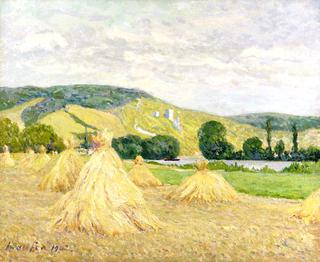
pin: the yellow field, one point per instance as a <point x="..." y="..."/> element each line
<point x="14" y="114"/>
<point x="254" y="229"/>
<point x="98" y="119"/>
<point x="63" y="124"/>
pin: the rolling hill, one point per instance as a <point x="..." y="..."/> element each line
<point x="58" y="97"/>
<point x="135" y="112"/>
<point x="279" y="121"/>
<point x="15" y="113"/>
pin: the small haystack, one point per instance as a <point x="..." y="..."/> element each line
<point x="309" y="210"/>
<point x="141" y="175"/>
<point x="40" y="160"/>
<point x="5" y="158"/>
<point x="204" y="187"/>
<point x="28" y="158"/>
<point x="104" y="200"/>
<point x="61" y="173"/>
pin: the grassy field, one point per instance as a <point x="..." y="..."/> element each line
<point x="280" y="185"/>
<point x="253" y="229"/>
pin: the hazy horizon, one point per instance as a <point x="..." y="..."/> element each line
<point x="221" y="57"/>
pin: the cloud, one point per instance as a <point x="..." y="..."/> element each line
<point x="223" y="57"/>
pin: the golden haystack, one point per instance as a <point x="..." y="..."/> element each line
<point x="61" y="173"/>
<point x="5" y="158"/>
<point x="28" y="158"/>
<point x="104" y="200"/>
<point x="204" y="187"/>
<point x="141" y="175"/>
<point x="39" y="160"/>
<point x="309" y="210"/>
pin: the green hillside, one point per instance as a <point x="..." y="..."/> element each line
<point x="137" y="117"/>
<point x="279" y="121"/>
<point x="139" y="114"/>
<point x="58" y="97"/>
<point x="15" y="113"/>
<point x="134" y="112"/>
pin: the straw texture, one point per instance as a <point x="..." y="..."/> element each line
<point x="309" y="210"/>
<point x="141" y="175"/>
<point x="204" y="187"/>
<point x="104" y="200"/>
<point x="5" y="158"/>
<point x="61" y="172"/>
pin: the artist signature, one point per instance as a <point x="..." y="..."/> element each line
<point x="36" y="246"/>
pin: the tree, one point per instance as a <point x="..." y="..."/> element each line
<point x="252" y="148"/>
<point x="238" y="155"/>
<point x="36" y="135"/>
<point x="269" y="138"/>
<point x="279" y="148"/>
<point x="128" y="147"/>
<point x="313" y="153"/>
<point x="212" y="141"/>
<point x="9" y="135"/>
<point x="160" y="147"/>
<point x="295" y="147"/>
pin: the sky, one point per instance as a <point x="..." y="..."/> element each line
<point x="220" y="56"/>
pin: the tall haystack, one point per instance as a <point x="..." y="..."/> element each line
<point x="104" y="200"/>
<point x="28" y="158"/>
<point x="309" y="210"/>
<point x="141" y="175"/>
<point x="61" y="173"/>
<point x="204" y="187"/>
<point x="5" y="158"/>
<point x="39" y="161"/>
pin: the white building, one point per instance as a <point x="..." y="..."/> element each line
<point x="156" y="114"/>
<point x="169" y="114"/>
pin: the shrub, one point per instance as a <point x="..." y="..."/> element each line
<point x="252" y="149"/>
<point x="267" y="170"/>
<point x="39" y="134"/>
<point x="220" y="165"/>
<point x="235" y="167"/>
<point x="10" y="135"/>
<point x="160" y="147"/>
<point x="217" y="165"/>
<point x="313" y="153"/>
<point x="128" y="147"/>
<point x="298" y="168"/>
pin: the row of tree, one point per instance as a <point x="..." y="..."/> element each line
<point x="212" y="142"/>
<point x="32" y="136"/>
<point x="157" y="147"/>
<point x="128" y="147"/>
<point x="214" y="145"/>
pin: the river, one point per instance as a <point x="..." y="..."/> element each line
<point x="256" y="164"/>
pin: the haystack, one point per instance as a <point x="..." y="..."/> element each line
<point x="61" y="173"/>
<point x="204" y="187"/>
<point x="141" y="175"/>
<point x="309" y="210"/>
<point x="28" y="158"/>
<point x="104" y="200"/>
<point x="5" y="158"/>
<point x="39" y="161"/>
